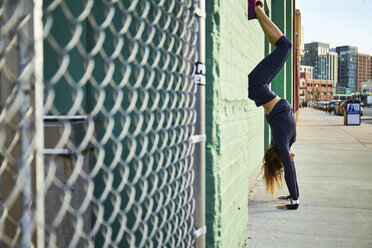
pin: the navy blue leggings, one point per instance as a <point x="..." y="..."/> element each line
<point x="261" y="76"/>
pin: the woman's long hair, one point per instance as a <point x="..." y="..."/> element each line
<point x="272" y="168"/>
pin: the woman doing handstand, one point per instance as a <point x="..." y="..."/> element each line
<point x="279" y="113"/>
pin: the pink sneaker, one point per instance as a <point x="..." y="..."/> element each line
<point x="251" y="5"/>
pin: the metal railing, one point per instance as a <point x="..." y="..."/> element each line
<point x="97" y="123"/>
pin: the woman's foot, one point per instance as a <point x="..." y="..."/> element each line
<point x="251" y="6"/>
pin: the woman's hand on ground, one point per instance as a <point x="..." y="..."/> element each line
<point x="288" y="207"/>
<point x="281" y="207"/>
<point x="284" y="197"/>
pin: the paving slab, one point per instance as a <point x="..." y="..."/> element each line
<point x="334" y="170"/>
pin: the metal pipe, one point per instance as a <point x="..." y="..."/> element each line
<point x="39" y="123"/>
<point x="199" y="165"/>
<point x="24" y="167"/>
<point x="296" y="101"/>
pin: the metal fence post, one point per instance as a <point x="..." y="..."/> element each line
<point x="199" y="165"/>
<point x="26" y="147"/>
<point x="39" y="124"/>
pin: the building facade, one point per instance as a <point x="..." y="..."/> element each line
<point x="347" y="67"/>
<point x="364" y="69"/>
<point x="299" y="48"/>
<point x="302" y="82"/>
<point x="315" y="89"/>
<point x="333" y="67"/>
<point x="366" y="87"/>
<point x="302" y="89"/>
<point x="307" y="68"/>
<point x="316" y="54"/>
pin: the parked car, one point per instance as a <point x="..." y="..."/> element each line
<point x="325" y="106"/>
<point x="319" y="105"/>
<point x="337" y="108"/>
<point x="336" y="105"/>
<point x="315" y="104"/>
<point x="331" y="106"/>
<point x="342" y="108"/>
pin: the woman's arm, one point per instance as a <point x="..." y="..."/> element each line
<point x="289" y="171"/>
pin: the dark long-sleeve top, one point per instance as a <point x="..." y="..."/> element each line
<point x="283" y="129"/>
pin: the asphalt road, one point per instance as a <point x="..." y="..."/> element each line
<point x="367" y="111"/>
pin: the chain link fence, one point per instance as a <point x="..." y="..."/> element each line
<point x="97" y="120"/>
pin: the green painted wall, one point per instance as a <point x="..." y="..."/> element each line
<point x="278" y="16"/>
<point x="236" y="129"/>
<point x="267" y="52"/>
<point x="289" y="34"/>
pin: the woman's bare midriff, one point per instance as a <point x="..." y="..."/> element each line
<point x="270" y="105"/>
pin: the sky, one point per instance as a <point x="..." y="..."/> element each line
<point x="338" y="22"/>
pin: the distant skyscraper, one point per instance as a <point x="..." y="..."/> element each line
<point x="347" y="67"/>
<point x="317" y="55"/>
<point x="333" y="67"/>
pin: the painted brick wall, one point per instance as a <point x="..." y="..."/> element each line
<point x="279" y="83"/>
<point x="235" y="126"/>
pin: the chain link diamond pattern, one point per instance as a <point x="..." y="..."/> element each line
<point x="119" y="115"/>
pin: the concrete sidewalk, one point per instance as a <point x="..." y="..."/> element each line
<point x="334" y="171"/>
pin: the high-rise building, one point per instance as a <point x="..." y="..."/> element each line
<point x="333" y="67"/>
<point x="317" y="54"/>
<point x="364" y="69"/>
<point x="347" y="66"/>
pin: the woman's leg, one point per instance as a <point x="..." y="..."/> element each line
<point x="266" y="70"/>
<point x="272" y="32"/>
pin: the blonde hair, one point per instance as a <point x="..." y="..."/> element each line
<point x="273" y="169"/>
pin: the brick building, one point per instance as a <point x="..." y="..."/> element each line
<point x="315" y="89"/>
<point x="364" y="69"/>
<point x="299" y="45"/>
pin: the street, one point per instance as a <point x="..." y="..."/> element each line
<point x="334" y="171"/>
<point x="367" y="115"/>
<point x="368" y="111"/>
